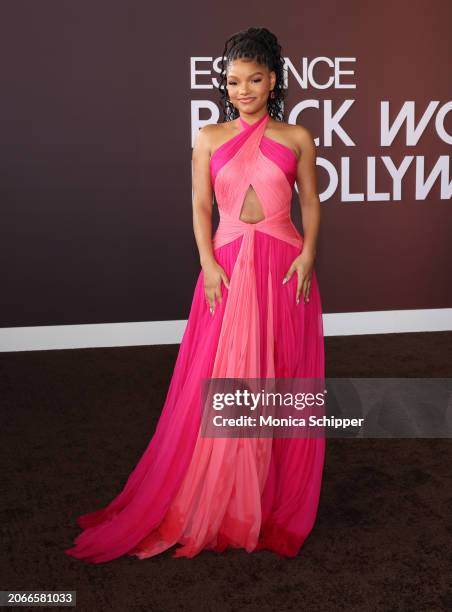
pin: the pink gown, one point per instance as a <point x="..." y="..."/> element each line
<point x="214" y="493"/>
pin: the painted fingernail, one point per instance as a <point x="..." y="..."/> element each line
<point x="284" y="281"/>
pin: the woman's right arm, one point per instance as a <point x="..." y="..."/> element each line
<point x="202" y="217"/>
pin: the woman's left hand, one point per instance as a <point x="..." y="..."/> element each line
<point x="303" y="265"/>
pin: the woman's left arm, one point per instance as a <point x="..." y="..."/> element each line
<point x="310" y="212"/>
<point x="307" y="190"/>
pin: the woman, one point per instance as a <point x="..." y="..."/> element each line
<point x="246" y="320"/>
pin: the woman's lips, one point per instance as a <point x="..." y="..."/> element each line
<point x="246" y="100"/>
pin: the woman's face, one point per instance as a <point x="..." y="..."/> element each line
<point x="249" y="84"/>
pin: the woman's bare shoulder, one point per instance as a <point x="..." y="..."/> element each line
<point x="204" y="139"/>
<point x="214" y="135"/>
<point x="302" y="135"/>
<point x="299" y="136"/>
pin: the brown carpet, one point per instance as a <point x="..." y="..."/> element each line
<point x="75" y="422"/>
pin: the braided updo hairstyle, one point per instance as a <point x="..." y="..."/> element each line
<point x="261" y="45"/>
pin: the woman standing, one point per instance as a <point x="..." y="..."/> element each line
<point x="256" y="312"/>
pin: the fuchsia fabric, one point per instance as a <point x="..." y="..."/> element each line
<point x="212" y="493"/>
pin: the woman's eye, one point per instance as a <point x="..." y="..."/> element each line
<point x="253" y="80"/>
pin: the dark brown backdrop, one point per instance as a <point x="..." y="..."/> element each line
<point x="95" y="153"/>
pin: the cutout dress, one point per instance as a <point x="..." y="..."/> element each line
<point x="214" y="493"/>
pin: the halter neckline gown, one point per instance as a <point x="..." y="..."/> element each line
<point x="214" y="493"/>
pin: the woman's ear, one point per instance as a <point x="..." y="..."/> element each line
<point x="273" y="79"/>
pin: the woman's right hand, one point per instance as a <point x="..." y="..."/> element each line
<point x="213" y="275"/>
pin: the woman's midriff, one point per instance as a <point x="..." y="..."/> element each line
<point x="251" y="211"/>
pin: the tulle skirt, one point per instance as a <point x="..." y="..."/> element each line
<point x="214" y="493"/>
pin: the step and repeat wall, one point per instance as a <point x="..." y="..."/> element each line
<point x="99" y="108"/>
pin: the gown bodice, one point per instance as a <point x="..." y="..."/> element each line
<point x="251" y="158"/>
